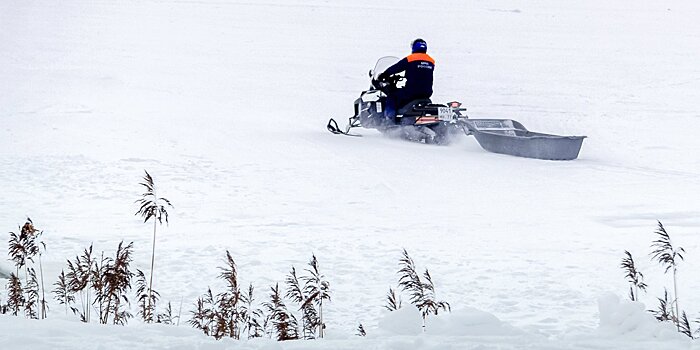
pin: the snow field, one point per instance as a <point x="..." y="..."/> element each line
<point x="224" y="104"/>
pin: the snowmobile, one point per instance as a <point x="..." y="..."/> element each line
<point x="426" y="122"/>
<point x="419" y="120"/>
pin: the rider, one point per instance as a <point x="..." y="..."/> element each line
<point x="419" y="69"/>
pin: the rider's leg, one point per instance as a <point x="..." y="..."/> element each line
<point x="390" y="107"/>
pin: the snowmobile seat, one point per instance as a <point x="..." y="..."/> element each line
<point x="408" y="108"/>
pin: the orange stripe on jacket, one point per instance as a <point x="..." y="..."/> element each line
<point x="420" y="57"/>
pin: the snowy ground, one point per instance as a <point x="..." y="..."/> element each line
<point x="224" y="103"/>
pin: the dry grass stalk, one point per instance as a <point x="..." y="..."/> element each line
<point x="80" y="281"/>
<point x="62" y="292"/>
<point x="23" y="247"/>
<point x="152" y="206"/>
<point x="15" y="297"/>
<point x="309" y="320"/>
<point x="316" y="289"/>
<point x="361" y="331"/>
<point x="635" y="278"/>
<point x="284" y="323"/>
<point x="668" y="256"/>
<point x="393" y="300"/>
<point x="422" y="294"/>
<point x="146" y="302"/>
<point x="251" y="315"/>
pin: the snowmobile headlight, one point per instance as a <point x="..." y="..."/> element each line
<point x="454" y="104"/>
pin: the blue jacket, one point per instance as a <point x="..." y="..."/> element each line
<point x="419" y="69"/>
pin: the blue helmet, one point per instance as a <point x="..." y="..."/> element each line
<point x="419" y="45"/>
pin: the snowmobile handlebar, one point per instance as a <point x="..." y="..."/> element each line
<point x="389" y="82"/>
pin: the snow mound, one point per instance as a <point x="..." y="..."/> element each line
<point x="462" y="322"/>
<point x="469" y="322"/>
<point x="404" y="321"/>
<point x="629" y="318"/>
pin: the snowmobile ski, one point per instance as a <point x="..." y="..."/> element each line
<point x="335" y="129"/>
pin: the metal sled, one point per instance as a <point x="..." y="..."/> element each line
<point x="507" y="136"/>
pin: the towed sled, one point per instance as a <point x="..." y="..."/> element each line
<point x="507" y="136"/>
<point x="427" y="122"/>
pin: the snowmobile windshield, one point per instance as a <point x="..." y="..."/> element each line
<point x="382" y="64"/>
